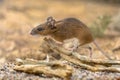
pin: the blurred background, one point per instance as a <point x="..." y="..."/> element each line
<point x="18" y="17"/>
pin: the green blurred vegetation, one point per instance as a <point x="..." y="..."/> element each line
<point x="100" y="25"/>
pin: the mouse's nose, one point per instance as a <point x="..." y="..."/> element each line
<point x="32" y="32"/>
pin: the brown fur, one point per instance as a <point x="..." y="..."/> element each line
<point x="66" y="29"/>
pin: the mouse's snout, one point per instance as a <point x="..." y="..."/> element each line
<point x="33" y="31"/>
<point x="37" y="30"/>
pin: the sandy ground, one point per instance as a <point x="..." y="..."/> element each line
<point x="18" y="17"/>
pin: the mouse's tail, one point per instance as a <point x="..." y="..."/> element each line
<point x="101" y="50"/>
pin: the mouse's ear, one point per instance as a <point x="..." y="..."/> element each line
<point x="51" y="22"/>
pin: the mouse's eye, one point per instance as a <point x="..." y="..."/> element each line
<point x="40" y="29"/>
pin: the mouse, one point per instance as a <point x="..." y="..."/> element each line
<point x="67" y="29"/>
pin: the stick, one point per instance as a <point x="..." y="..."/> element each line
<point x="54" y="68"/>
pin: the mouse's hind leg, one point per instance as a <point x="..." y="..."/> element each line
<point x="90" y="51"/>
<point x="89" y="48"/>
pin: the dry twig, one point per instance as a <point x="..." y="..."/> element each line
<point x="58" y="68"/>
<point x="83" y="61"/>
<point x="54" y="68"/>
